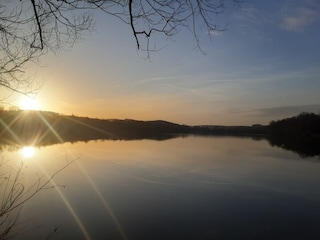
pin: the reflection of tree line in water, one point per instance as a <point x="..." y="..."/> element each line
<point x="300" y="134"/>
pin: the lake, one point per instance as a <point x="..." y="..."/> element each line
<point x="182" y="188"/>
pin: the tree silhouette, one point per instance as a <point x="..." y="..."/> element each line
<point x="31" y="28"/>
<point x="300" y="134"/>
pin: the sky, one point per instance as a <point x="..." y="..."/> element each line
<point x="265" y="66"/>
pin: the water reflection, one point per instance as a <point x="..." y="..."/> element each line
<point x="183" y="188"/>
<point x="299" y="134"/>
<point x="304" y="147"/>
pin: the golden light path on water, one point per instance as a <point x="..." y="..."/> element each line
<point x="71" y="209"/>
<point x="30" y="152"/>
<point x="65" y="200"/>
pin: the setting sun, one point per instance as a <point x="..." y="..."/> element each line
<point x="29" y="104"/>
<point x="28" y="152"/>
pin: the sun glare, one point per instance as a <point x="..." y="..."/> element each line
<point x="28" y="152"/>
<point x="29" y="104"/>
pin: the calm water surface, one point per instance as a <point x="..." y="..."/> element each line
<point x="183" y="188"/>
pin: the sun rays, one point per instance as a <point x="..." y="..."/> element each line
<point x="27" y="130"/>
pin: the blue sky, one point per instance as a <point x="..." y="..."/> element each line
<point x="265" y="66"/>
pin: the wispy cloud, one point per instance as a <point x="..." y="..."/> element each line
<point x="250" y="14"/>
<point x="288" y="111"/>
<point x="299" y="14"/>
<point x="215" y="32"/>
<point x="252" y="20"/>
<point x="302" y="18"/>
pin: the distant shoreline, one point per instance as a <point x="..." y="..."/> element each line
<point x="300" y="134"/>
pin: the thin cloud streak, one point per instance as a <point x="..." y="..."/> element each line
<point x="298" y="15"/>
<point x="288" y="110"/>
<point x="298" y="21"/>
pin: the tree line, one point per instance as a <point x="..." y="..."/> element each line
<point x="45" y="128"/>
<point x="300" y="134"/>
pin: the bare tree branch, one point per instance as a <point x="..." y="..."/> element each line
<point x="30" y="29"/>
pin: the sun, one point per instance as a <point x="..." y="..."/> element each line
<point x="29" y="104"/>
<point x="28" y="151"/>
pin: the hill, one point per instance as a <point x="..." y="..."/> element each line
<point x="300" y="134"/>
<point x="42" y="128"/>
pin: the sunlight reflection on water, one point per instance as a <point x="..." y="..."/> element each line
<point x="184" y="188"/>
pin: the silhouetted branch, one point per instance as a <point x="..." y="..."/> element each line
<point x="29" y="29"/>
<point x="14" y="195"/>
